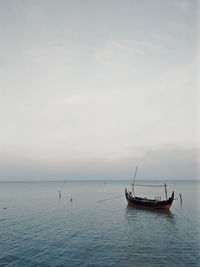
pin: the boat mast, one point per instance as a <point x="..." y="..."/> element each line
<point x="134" y="181"/>
<point x="165" y="190"/>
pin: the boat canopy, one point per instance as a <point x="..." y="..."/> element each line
<point x="149" y="185"/>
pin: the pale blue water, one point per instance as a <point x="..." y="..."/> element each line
<point x="38" y="229"/>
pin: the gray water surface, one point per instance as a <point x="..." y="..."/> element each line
<point x="39" y="229"/>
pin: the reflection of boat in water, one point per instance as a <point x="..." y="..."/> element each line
<point x="146" y="203"/>
<point x="131" y="212"/>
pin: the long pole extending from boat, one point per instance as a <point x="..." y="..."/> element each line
<point x="134" y="180"/>
<point x="165" y="190"/>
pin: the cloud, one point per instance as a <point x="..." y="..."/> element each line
<point x="84" y="85"/>
<point x="171" y="162"/>
<point x="76" y="99"/>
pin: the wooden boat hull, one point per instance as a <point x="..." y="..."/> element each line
<point x="143" y="203"/>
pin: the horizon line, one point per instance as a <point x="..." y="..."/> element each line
<point x="94" y="180"/>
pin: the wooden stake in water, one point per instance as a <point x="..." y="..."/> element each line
<point x="59" y="194"/>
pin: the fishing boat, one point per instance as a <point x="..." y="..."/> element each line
<point x="139" y="202"/>
<point x="145" y="203"/>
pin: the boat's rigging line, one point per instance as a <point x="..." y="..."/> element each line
<point x="182" y="214"/>
<point x="185" y="216"/>
<point x="106" y="199"/>
<point x="188" y="220"/>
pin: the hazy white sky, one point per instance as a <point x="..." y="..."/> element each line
<point x="90" y="89"/>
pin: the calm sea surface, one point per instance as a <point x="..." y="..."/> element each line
<point x="39" y="229"/>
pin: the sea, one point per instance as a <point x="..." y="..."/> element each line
<point x="88" y="223"/>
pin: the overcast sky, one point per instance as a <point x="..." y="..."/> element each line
<point x="91" y="88"/>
